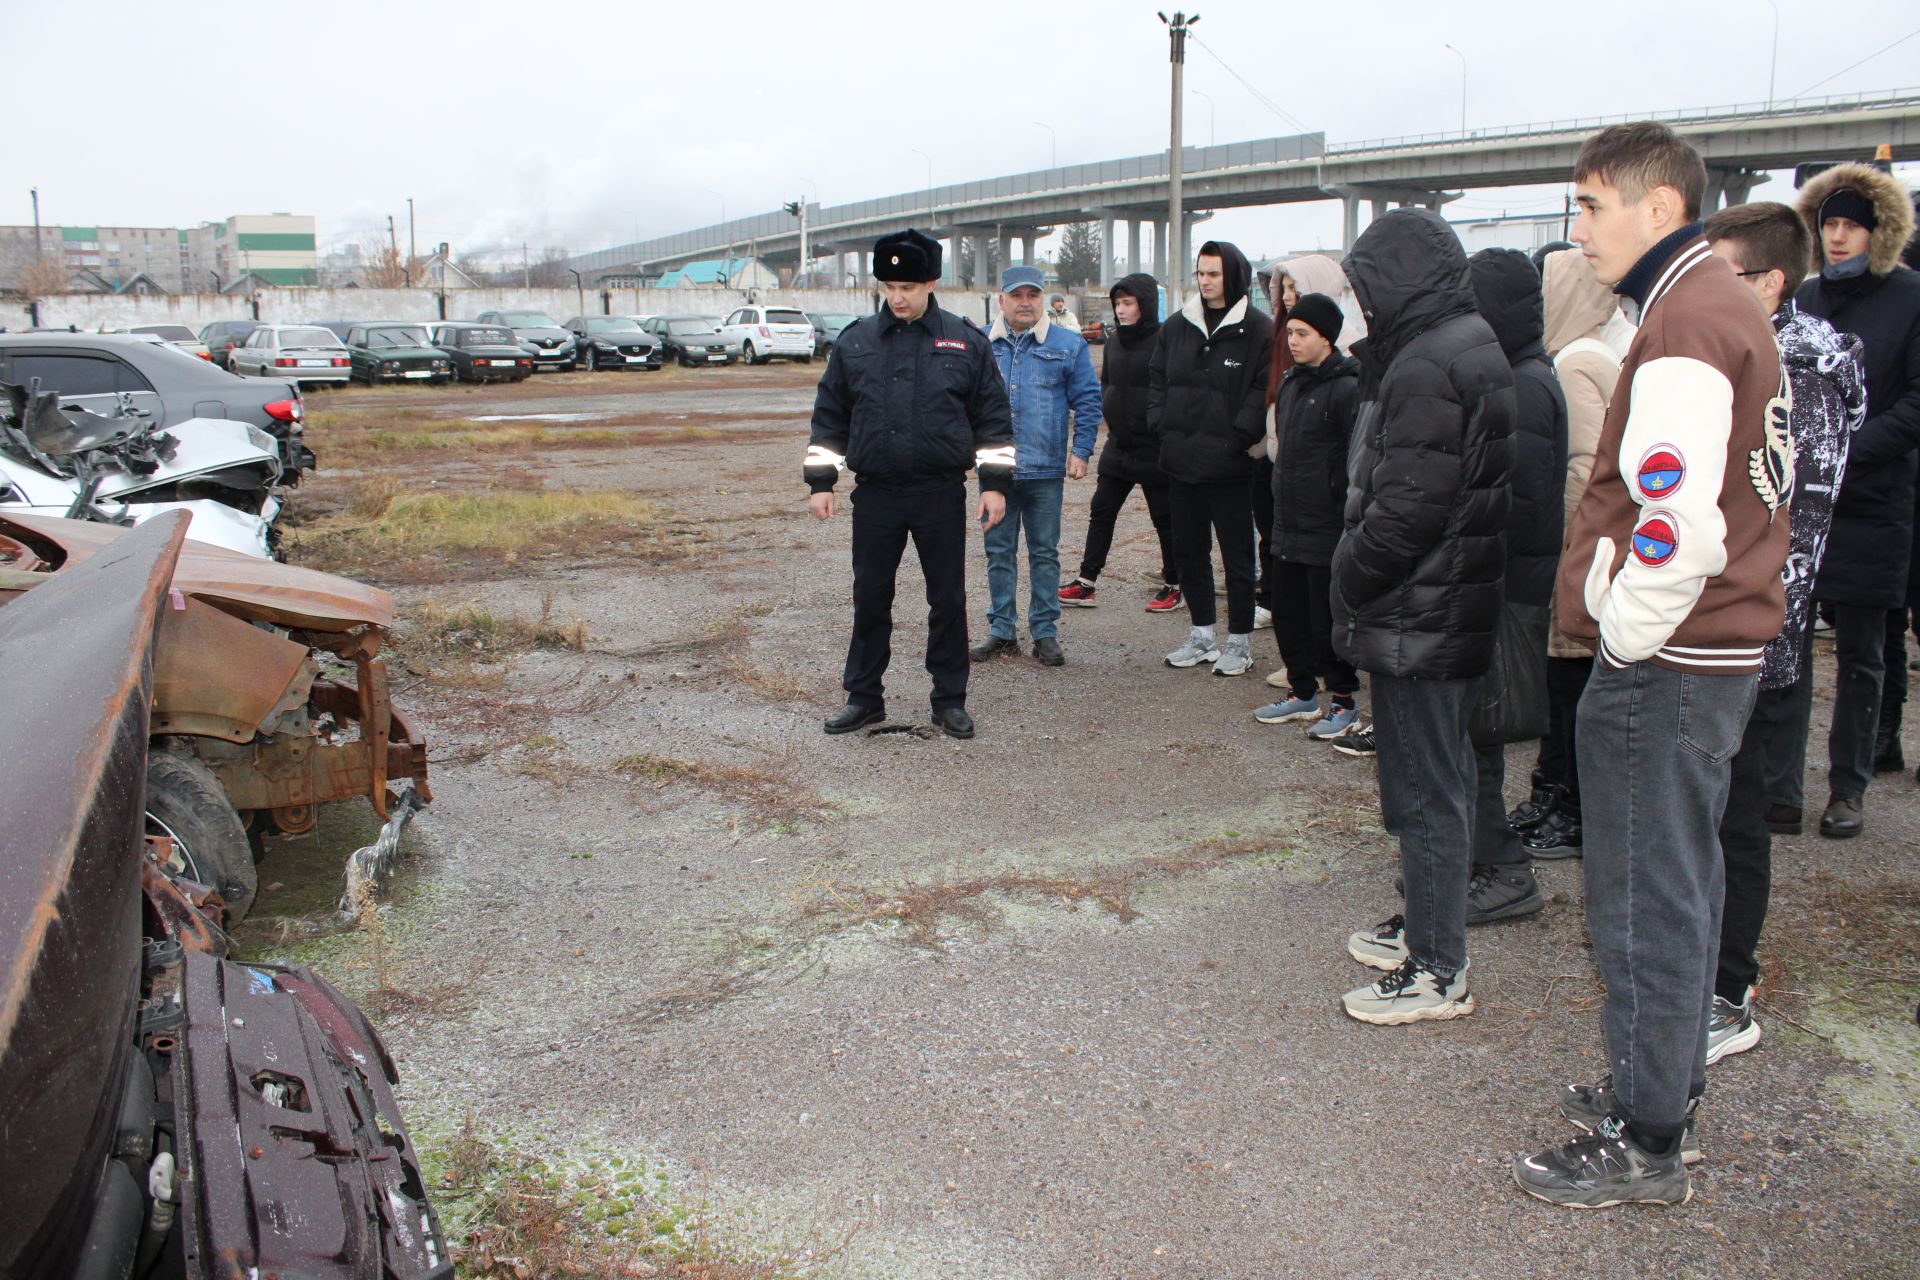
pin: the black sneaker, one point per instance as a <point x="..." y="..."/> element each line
<point x="1557" y="837"/>
<point x="1586" y="1105"/>
<point x="1357" y="741"/>
<point x="1502" y="893"/>
<point x="1603" y="1168"/>
<point x="1533" y="811"/>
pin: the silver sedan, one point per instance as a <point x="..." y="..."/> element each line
<point x="298" y="352"/>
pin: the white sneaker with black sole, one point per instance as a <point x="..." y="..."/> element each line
<point x="1411" y="993"/>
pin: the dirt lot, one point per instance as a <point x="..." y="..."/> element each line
<point x="680" y="986"/>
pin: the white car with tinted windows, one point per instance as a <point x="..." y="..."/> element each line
<point x="764" y="333"/>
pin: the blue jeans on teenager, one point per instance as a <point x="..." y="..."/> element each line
<point x="1656" y="754"/>
<point x="1033" y="505"/>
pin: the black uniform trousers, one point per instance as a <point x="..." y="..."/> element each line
<point x="934" y="513"/>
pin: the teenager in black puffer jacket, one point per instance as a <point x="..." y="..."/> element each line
<point x="1131" y="455"/>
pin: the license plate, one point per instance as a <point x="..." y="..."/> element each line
<point x="419" y="373"/>
<point x="316" y="364"/>
<point x="501" y="364"/>
<point x="636" y="359"/>
<point x="717" y="359"/>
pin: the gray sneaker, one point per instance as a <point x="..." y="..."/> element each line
<point x="1337" y="722"/>
<point x="1382" y="947"/>
<point x="1731" y="1028"/>
<point x="1411" y="993"/>
<point x="1586" y="1105"/>
<point x="1602" y="1168"/>
<point x="1236" y="657"/>
<point x="1198" y="649"/>
<point x="1502" y="893"/>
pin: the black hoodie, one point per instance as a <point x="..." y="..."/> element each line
<point x="1419" y="573"/>
<point x="1507" y="290"/>
<point x="1132" y="451"/>
<point x="1208" y="392"/>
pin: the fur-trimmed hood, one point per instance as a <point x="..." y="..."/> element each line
<point x="1891" y="205"/>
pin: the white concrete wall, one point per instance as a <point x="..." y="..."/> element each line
<point x="89" y="311"/>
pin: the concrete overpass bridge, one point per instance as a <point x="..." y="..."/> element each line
<point x="1741" y="145"/>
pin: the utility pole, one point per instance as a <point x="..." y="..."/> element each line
<point x="798" y="208"/>
<point x="412" y="252"/>
<point x="36" y="220"/>
<point x="1177" y="27"/>
<point x="526" y="272"/>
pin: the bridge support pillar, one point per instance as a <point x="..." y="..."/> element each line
<point x="1349" y="220"/>
<point x="1161" y="263"/>
<point x="983" y="263"/>
<point x="1133" y="244"/>
<point x="1106" y="252"/>
<point x="866" y="265"/>
<point x="1004" y="239"/>
<point x="1727" y="187"/>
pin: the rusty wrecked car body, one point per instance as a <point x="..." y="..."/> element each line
<point x="269" y="698"/>
<point x="168" y="1111"/>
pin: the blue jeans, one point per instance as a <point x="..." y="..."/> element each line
<point x="1034" y="504"/>
<point x="1656" y="754"/>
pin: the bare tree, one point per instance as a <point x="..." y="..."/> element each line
<point x="27" y="271"/>
<point x="385" y="267"/>
<point x="549" y="270"/>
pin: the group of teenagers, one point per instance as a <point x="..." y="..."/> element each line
<point x="1642" y="458"/>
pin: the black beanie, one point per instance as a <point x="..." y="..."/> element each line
<point x="1320" y="311"/>
<point x="1850" y="204"/>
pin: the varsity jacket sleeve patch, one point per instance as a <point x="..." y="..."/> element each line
<point x="1673" y="460"/>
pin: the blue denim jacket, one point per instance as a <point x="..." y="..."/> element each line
<point x="1048" y="371"/>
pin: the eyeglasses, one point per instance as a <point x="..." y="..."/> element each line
<point x="1744" y="274"/>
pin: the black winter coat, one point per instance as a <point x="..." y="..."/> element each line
<point x="1312" y="428"/>
<point x="1132" y="450"/>
<point x="1507" y="290"/>
<point x="1866" y="562"/>
<point x="1419" y="573"/>
<point x="1208" y="394"/>
<point x="905" y="403"/>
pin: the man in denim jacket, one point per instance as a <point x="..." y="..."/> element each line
<point x="1048" y="373"/>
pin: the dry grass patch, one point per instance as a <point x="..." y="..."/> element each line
<point x="1853" y="933"/>
<point x="420" y="535"/>
<point x="447" y="642"/>
<point x="771" y="796"/>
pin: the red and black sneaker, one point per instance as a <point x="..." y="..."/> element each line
<point x="1079" y="592"/>
<point x="1165" y="600"/>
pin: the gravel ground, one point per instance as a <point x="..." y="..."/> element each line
<point x="1034" y="1083"/>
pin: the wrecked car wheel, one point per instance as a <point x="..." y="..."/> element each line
<point x="185" y="801"/>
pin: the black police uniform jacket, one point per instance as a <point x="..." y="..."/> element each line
<point x="1208" y="391"/>
<point x="906" y="402"/>
<point x="1419" y="574"/>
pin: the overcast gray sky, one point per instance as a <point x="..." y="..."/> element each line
<point x="580" y="124"/>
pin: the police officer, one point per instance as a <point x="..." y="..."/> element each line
<point x="910" y="400"/>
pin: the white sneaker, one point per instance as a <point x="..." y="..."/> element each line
<point x="1262" y="617"/>
<point x="1382" y="947"/>
<point x="1278" y="679"/>
<point x="1236" y="657"/>
<point x="1411" y="993"/>
<point x="1199" y="648"/>
<point x="1731" y="1028"/>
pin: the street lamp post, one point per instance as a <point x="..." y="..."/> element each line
<point x="1055" y="137"/>
<point x="1774" y="64"/>
<point x="1176" y="232"/>
<point x="1463" y="87"/>
<point x="580" y="288"/>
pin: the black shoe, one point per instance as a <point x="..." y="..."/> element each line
<point x="1048" y="653"/>
<point x="1557" y="837"/>
<point x="1502" y="893"/>
<point x="993" y="646"/>
<point x="1533" y="811"/>
<point x="1843" y="819"/>
<point x="954" y="722"/>
<point x="1888" y="757"/>
<point x="1784" y="819"/>
<point x="854" y="716"/>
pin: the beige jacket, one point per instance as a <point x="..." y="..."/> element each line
<point x="1317" y="273"/>
<point x="1579" y="309"/>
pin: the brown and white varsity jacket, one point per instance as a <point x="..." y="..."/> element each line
<point x="1675" y="552"/>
